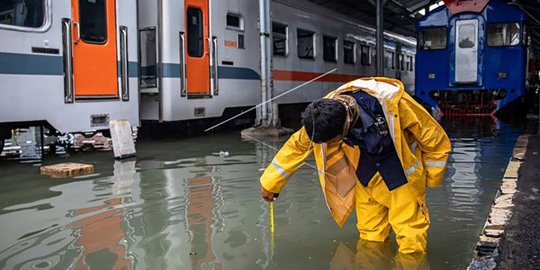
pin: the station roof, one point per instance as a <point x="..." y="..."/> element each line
<point x="400" y="15"/>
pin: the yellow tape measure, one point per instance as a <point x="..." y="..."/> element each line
<point x="272" y="217"/>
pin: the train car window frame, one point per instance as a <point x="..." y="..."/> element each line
<point x="280" y="37"/>
<point x="148" y="58"/>
<point x="503" y="42"/>
<point x="373" y="52"/>
<point x="93" y="21"/>
<point x="306" y="35"/>
<point x="401" y="62"/>
<point x="234" y="21"/>
<point x="389" y="58"/>
<point x="349" y="58"/>
<point x="195" y="33"/>
<point x="365" y="59"/>
<point x="424" y="45"/>
<point x="409" y="63"/>
<point x="46" y="19"/>
<point x="329" y="48"/>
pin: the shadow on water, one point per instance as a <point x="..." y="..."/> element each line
<point x="194" y="204"/>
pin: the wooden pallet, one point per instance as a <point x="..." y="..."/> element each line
<point x="66" y="169"/>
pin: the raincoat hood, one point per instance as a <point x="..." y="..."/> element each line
<point x="389" y="90"/>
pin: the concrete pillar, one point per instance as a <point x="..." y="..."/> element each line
<point x="266" y="113"/>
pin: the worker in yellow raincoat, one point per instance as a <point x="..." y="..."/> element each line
<point x="376" y="149"/>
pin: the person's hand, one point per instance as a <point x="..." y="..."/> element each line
<point x="267" y="195"/>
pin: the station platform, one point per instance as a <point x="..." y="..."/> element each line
<point x="511" y="236"/>
<point x="520" y="246"/>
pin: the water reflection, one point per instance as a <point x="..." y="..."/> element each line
<point x="101" y="237"/>
<point x="200" y="215"/>
<point x="375" y="255"/>
<point x="179" y="206"/>
<point x="103" y="231"/>
<point x="87" y="226"/>
<point x="481" y="147"/>
<point x="472" y="139"/>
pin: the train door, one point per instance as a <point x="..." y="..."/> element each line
<point x="94" y="48"/>
<point x="466" y="48"/>
<point x="198" y="56"/>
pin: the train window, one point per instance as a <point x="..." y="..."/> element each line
<point x="235" y="21"/>
<point x="241" y="43"/>
<point x="401" y="63"/>
<point x="349" y="49"/>
<point x="25" y="13"/>
<point x="305" y="44"/>
<point x="93" y="20"/>
<point x="195" y="32"/>
<point x="364" y="55"/>
<point x="279" y="39"/>
<point x="432" y="38"/>
<point x="147" y="39"/>
<point x="389" y="60"/>
<point x="467" y="36"/>
<point x="329" y="48"/>
<point x="409" y="63"/>
<point x="503" y="34"/>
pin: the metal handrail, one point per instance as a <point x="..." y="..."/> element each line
<point x="78" y="26"/>
<point x="215" y="64"/>
<point x="68" y="60"/>
<point x="124" y="62"/>
<point x="183" y="87"/>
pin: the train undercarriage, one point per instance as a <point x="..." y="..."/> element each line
<point x="468" y="102"/>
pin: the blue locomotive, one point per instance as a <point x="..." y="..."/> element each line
<point x="471" y="57"/>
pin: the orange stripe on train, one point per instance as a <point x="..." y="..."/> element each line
<point x="289" y="75"/>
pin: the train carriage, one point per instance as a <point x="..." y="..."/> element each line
<point x="471" y="59"/>
<point x="201" y="57"/>
<point x="69" y="65"/>
<point x="74" y="65"/>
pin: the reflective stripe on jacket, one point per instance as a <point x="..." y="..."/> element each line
<point x="421" y="143"/>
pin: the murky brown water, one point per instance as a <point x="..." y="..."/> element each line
<point x="181" y="205"/>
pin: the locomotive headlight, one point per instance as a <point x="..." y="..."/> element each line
<point x="501" y="74"/>
<point x="431" y="76"/>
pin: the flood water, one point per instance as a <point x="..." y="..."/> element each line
<point x="182" y="205"/>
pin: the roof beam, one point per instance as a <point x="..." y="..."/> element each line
<point x="400" y="6"/>
<point x="525" y="10"/>
<point x="422" y="5"/>
<point x="419" y="6"/>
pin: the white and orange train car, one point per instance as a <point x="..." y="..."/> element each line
<point x="75" y="64"/>
<point x="68" y="64"/>
<point x="201" y="57"/>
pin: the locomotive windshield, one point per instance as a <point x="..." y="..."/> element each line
<point x="503" y="34"/>
<point x="467" y="36"/>
<point x="432" y="38"/>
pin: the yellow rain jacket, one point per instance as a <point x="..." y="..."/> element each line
<point x="422" y="146"/>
